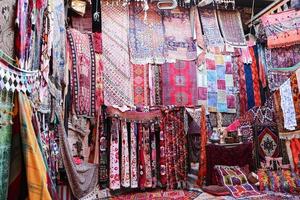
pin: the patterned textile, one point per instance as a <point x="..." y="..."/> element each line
<point x="162" y="156"/>
<point x="147" y="156"/>
<point x="236" y="181"/>
<point x="146" y="35"/>
<point x="140" y="84"/>
<point x="280" y="58"/>
<point x="153" y="155"/>
<point x="195" y="22"/>
<point x="7" y="18"/>
<point x="103" y="154"/>
<point x="283" y="181"/>
<point x="232" y="28"/>
<point x="141" y="158"/>
<point x="287" y="106"/>
<point x="6" y="106"/>
<point x="114" y="172"/>
<point x="125" y="173"/>
<point x="296" y="95"/>
<point x="83" y="72"/>
<point x="83" y="23"/>
<point x="295" y="149"/>
<point x="282" y="28"/>
<point x="255" y="77"/>
<point x="242" y="87"/>
<point x="202" y="159"/>
<point x="116" y="72"/>
<point x="155" y="85"/>
<point x="179" y="83"/>
<point x="215" y="84"/>
<point x="179" y="42"/>
<point x="64" y="192"/>
<point x="249" y="85"/>
<point x="212" y="34"/>
<point x="133" y="156"/>
<point x="268" y="142"/>
<point x="36" y="169"/>
<point x="174" y="149"/>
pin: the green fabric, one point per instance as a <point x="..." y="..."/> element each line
<point x="5" y="141"/>
<point x="287" y="69"/>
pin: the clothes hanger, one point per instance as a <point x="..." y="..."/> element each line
<point x="169" y="4"/>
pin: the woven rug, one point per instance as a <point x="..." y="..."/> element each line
<point x="140" y="84"/>
<point x="146" y="35"/>
<point x="178" y="39"/>
<point x="7" y="19"/>
<point x="282" y="28"/>
<point x="232" y="28"/>
<point x="211" y="30"/>
<point x="179" y="83"/>
<point x="83" y="72"/>
<point x="116" y="72"/>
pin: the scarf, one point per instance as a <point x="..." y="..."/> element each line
<point x="203" y="134"/>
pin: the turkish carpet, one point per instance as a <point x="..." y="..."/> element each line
<point x="179" y="83"/>
<point x="146" y="35"/>
<point x="116" y="72"/>
<point x="232" y="28"/>
<point x="140" y="76"/>
<point x="211" y="30"/>
<point x="83" y="72"/>
<point x="179" y="41"/>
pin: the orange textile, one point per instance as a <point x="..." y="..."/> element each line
<point x="295" y="148"/>
<point x="203" y="135"/>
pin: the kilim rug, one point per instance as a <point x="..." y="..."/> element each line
<point x="211" y="30"/>
<point x="146" y="35"/>
<point x="178" y="39"/>
<point x="83" y="72"/>
<point x="179" y="83"/>
<point x="231" y="27"/>
<point x="7" y="19"/>
<point x="116" y="72"/>
<point x="140" y="84"/>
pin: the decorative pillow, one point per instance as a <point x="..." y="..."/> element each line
<point x="216" y="177"/>
<point x="230" y="175"/>
<point x="278" y="181"/>
<point x="216" y="190"/>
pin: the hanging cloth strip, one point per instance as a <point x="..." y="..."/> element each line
<point x="140" y="84"/>
<point x="282" y="29"/>
<point x="232" y="28"/>
<point x="133" y="156"/>
<point x="125" y="173"/>
<point x="255" y="76"/>
<point x="296" y="96"/>
<point x="203" y="134"/>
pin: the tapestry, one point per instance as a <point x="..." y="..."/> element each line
<point x="146" y="35"/>
<point x="83" y="72"/>
<point x="179" y="83"/>
<point x="116" y="72"/>
<point x="7" y="19"/>
<point x="232" y="28"/>
<point x="255" y="77"/>
<point x="140" y="77"/>
<point x="211" y="30"/>
<point x="133" y="156"/>
<point x="235" y="181"/>
<point x="179" y="42"/>
<point x="282" y="28"/>
<point x="215" y="84"/>
<point x="114" y="172"/>
<point x="125" y="173"/>
<point x="6" y="107"/>
<point x="280" y="58"/>
<point x="268" y="143"/>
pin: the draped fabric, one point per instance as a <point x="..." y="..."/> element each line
<point x="295" y="4"/>
<point x="232" y="28"/>
<point x="153" y="155"/>
<point x="202" y="161"/>
<point x="283" y="32"/>
<point x="125" y="173"/>
<point x="179" y="83"/>
<point x="179" y="42"/>
<point x="211" y="30"/>
<point x="83" y="72"/>
<point x="140" y="75"/>
<point x="249" y="85"/>
<point x="255" y="77"/>
<point x="6" y="106"/>
<point x="296" y="95"/>
<point x="146" y="35"/>
<point x="133" y="156"/>
<point x="114" y="172"/>
<point x="103" y="153"/>
<point x="7" y="34"/>
<point x="155" y="84"/>
<point x="116" y="73"/>
<point x="141" y="160"/>
<point x="295" y="149"/>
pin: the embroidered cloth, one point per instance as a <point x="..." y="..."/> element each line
<point x="116" y="72"/>
<point x="179" y="41"/>
<point x="282" y="29"/>
<point x="125" y="173"/>
<point x="287" y="106"/>
<point x="211" y="30"/>
<point x="146" y="35"/>
<point x="140" y="77"/>
<point x="133" y="156"/>
<point x="83" y="72"/>
<point x="179" y="83"/>
<point x="232" y="28"/>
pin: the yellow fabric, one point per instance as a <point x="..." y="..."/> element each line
<point x="36" y="172"/>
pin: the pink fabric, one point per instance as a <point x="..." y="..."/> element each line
<point x="234" y="126"/>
